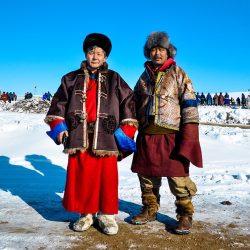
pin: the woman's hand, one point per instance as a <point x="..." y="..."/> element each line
<point x="60" y="136"/>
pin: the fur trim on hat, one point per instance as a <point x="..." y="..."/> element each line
<point x="99" y="40"/>
<point x="159" y="39"/>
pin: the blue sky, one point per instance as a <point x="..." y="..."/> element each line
<point x="42" y="40"/>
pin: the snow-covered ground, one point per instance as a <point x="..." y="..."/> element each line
<point x="33" y="168"/>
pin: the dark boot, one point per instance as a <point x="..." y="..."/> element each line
<point x="149" y="209"/>
<point x="184" y="212"/>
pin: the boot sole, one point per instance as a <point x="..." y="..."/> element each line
<point x="81" y="230"/>
<point x="110" y="234"/>
<point x="142" y="222"/>
<point x="182" y="232"/>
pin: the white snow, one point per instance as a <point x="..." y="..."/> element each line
<point x="32" y="178"/>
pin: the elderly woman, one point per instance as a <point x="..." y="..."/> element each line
<point x="93" y="113"/>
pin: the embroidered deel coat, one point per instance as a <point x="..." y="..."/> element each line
<point x="115" y="106"/>
<point x="172" y="96"/>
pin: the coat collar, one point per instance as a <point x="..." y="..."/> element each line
<point x="151" y="68"/>
<point x="102" y="69"/>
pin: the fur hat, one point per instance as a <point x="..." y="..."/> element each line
<point x="99" y="40"/>
<point x="159" y="39"/>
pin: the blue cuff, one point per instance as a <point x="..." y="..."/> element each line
<point x="189" y="103"/>
<point x="56" y="131"/>
<point x="124" y="142"/>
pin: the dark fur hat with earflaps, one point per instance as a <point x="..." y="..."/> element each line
<point x="159" y="39"/>
<point x="99" y="40"/>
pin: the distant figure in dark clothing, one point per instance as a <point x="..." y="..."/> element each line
<point x="226" y="99"/>
<point x="28" y="95"/>
<point x="9" y="96"/>
<point x="44" y="97"/>
<point x="198" y="98"/>
<point x="48" y="96"/>
<point x="216" y="99"/>
<point x="221" y="99"/>
<point x="209" y="99"/>
<point x="14" y="96"/>
<point x="243" y="100"/>
<point x="238" y="101"/>
<point x="203" y="99"/>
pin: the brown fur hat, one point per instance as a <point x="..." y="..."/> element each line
<point x="159" y="39"/>
<point x="99" y="40"/>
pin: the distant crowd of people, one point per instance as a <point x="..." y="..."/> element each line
<point x="28" y="95"/>
<point x="8" y="96"/>
<point x="223" y="100"/>
<point x="11" y="96"/>
<point x="202" y="99"/>
<point x="45" y="96"/>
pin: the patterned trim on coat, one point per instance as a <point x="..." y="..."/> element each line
<point x="50" y="118"/>
<point x="97" y="111"/>
<point x="130" y="121"/>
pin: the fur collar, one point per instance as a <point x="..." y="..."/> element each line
<point x="102" y="69"/>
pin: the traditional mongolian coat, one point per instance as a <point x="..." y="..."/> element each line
<point x="115" y="106"/>
<point x="92" y="108"/>
<point x="168" y="122"/>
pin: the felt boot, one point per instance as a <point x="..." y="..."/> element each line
<point x="107" y="223"/>
<point x="83" y="223"/>
<point x="151" y="204"/>
<point x="184" y="212"/>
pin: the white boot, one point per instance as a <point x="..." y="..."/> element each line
<point x="83" y="223"/>
<point x="107" y="223"/>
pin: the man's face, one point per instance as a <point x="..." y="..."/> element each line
<point x="158" y="55"/>
<point x="95" y="57"/>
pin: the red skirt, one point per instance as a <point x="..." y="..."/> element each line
<point x="157" y="156"/>
<point x="91" y="184"/>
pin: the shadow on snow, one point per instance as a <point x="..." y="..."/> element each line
<point x="38" y="188"/>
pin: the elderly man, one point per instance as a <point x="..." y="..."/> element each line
<point x="93" y="114"/>
<point x="168" y="138"/>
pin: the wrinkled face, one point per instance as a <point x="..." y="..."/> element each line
<point x="158" y="55"/>
<point x="95" y="57"/>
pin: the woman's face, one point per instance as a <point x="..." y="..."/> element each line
<point x="95" y="57"/>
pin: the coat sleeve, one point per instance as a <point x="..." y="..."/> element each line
<point x="128" y="122"/>
<point x="59" y="102"/>
<point x="127" y="104"/>
<point x="190" y="145"/>
<point x="188" y="102"/>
